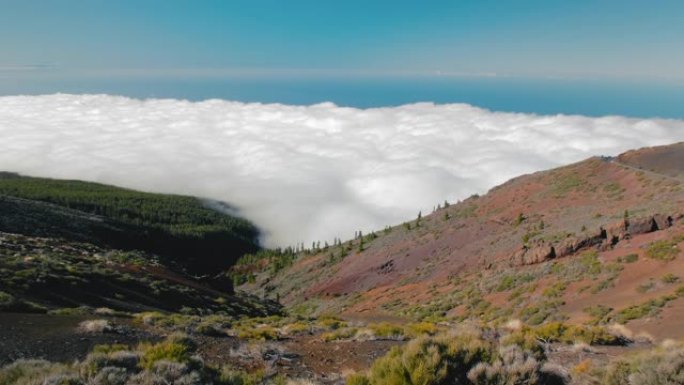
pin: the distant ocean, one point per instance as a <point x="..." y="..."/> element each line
<point x="591" y="98"/>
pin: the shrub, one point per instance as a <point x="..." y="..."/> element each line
<point x="645" y="287"/>
<point x="639" y="311"/>
<point x="513" y="366"/>
<point x="106" y="349"/>
<point x="599" y="312"/>
<point x="659" y="366"/>
<point x="430" y="360"/>
<point x="164" y="351"/>
<point x="111" y="375"/>
<point x="331" y="323"/>
<point x="263" y="333"/>
<point x="339" y="334"/>
<point x="230" y="376"/>
<point x="168" y="362"/>
<point x="172" y="372"/>
<point x="95" y="326"/>
<point x="669" y="278"/>
<point x="556" y="290"/>
<point x="208" y="328"/>
<point x="62" y="379"/>
<point x="297" y="328"/>
<point x="6" y="300"/>
<point x="29" y="372"/>
<point x="387" y="330"/>
<point x="564" y="333"/>
<point x="420" y="329"/>
<point x="662" y="250"/>
<point x="629" y="258"/>
<point x="96" y="361"/>
<point x="358" y="379"/>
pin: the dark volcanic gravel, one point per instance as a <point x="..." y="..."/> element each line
<point x="56" y="337"/>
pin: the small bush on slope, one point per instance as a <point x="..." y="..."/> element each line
<point x="660" y="366"/>
<point x="663" y="250"/>
<point x="515" y="366"/>
<point x="29" y="372"/>
<point x="457" y="359"/>
<point x="169" y="362"/>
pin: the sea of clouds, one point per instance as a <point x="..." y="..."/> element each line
<point x="303" y="173"/>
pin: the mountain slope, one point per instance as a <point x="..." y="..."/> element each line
<point x="182" y="231"/>
<point x="539" y="247"/>
<point x="39" y="274"/>
<point x="72" y="243"/>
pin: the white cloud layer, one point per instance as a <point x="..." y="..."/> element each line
<point x="303" y="173"/>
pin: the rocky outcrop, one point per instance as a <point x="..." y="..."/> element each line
<point x="531" y="255"/>
<point x="615" y="232"/>
<point x="571" y="245"/>
<point x="603" y="238"/>
<point x="642" y="225"/>
<point x="663" y="221"/>
<point x="386" y="267"/>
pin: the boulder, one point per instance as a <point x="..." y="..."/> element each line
<point x="539" y="254"/>
<point x="662" y="221"/>
<point x="642" y="225"/>
<point x="615" y="232"/>
<point x="529" y="256"/>
<point x="516" y="259"/>
<point x="567" y="247"/>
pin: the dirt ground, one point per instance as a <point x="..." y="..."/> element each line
<point x="56" y="338"/>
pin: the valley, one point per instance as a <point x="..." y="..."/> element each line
<point x="566" y="276"/>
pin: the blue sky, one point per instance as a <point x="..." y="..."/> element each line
<point x="629" y="40"/>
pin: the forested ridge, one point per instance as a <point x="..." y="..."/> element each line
<point x="182" y="230"/>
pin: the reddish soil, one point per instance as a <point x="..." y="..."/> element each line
<point x="414" y="266"/>
<point x="323" y="358"/>
<point x="663" y="159"/>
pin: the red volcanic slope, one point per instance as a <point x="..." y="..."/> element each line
<point x="598" y="204"/>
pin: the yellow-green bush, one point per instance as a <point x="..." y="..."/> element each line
<point x="339" y="334"/>
<point x="331" y="323"/>
<point x="262" y="333"/>
<point x="417" y="329"/>
<point x="296" y="328"/>
<point x="663" y="250"/>
<point x="566" y="333"/>
<point x="106" y="349"/>
<point x="230" y="376"/>
<point x="386" y="330"/>
<point x="430" y="360"/>
<point x="164" y="351"/>
<point x="358" y="379"/>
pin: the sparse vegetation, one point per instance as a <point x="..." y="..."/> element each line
<point x="663" y="250"/>
<point x="629" y="258"/>
<point x="669" y="278"/>
<point x="649" y="308"/>
<point x="659" y="366"/>
<point x="462" y="358"/>
<point x="599" y="312"/>
<point x="169" y="361"/>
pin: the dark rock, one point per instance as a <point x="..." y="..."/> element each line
<point x="539" y="254"/>
<point x="616" y="232"/>
<point x="642" y="225"/>
<point x="536" y="254"/>
<point x="662" y="221"/>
